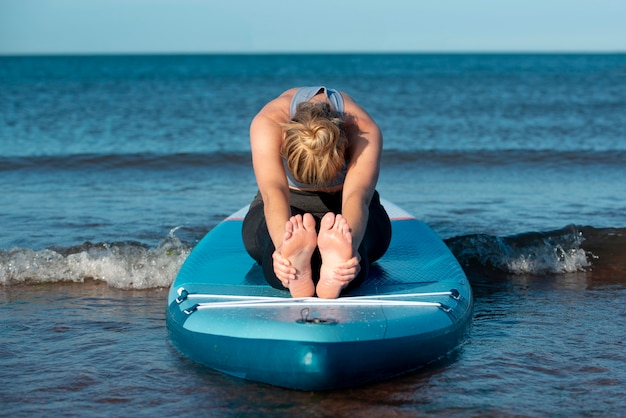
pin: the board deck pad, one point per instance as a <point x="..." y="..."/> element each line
<point x="223" y="261"/>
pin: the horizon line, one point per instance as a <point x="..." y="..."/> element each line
<point x="240" y="53"/>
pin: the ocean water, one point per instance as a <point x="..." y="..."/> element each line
<point x="113" y="167"/>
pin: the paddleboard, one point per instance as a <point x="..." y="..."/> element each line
<point x="414" y="307"/>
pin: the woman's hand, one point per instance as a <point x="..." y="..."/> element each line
<point x="347" y="271"/>
<point x="282" y="268"/>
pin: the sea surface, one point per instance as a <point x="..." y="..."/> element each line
<point x="113" y="167"/>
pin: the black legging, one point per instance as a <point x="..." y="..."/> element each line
<point x="259" y="245"/>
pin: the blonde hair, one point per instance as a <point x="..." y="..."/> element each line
<point x="315" y="144"/>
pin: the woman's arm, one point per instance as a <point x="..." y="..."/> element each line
<point x="364" y="153"/>
<point x="266" y="137"/>
<point x="265" y="142"/>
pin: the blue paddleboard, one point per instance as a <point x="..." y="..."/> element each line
<point x="415" y="307"/>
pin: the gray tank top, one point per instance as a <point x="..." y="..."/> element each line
<point x="304" y="94"/>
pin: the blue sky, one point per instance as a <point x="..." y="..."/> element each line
<point x="259" y="26"/>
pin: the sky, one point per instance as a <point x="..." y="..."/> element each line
<point x="297" y="26"/>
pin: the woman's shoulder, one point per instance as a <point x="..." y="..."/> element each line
<point x="289" y="93"/>
<point x="277" y="109"/>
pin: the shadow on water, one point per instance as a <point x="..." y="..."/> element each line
<point x="239" y="397"/>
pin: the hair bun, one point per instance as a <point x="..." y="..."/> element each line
<point x="314" y="144"/>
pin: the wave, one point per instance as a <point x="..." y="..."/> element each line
<point x="132" y="265"/>
<point x="505" y="157"/>
<point x="143" y="161"/>
<point x="567" y="250"/>
<point x="124" y="265"/>
<point x="391" y="157"/>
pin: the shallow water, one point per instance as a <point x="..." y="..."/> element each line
<point x="539" y="346"/>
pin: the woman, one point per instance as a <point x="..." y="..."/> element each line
<point x="316" y="223"/>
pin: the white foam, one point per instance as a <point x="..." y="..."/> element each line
<point x="126" y="266"/>
<point x="544" y="261"/>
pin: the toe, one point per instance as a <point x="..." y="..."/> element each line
<point x="308" y="221"/>
<point x="328" y="221"/>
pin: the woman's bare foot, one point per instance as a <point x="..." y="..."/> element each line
<point x="298" y="246"/>
<point x="335" y="245"/>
